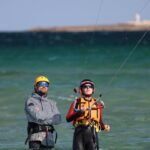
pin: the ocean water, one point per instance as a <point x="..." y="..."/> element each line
<point x="118" y="63"/>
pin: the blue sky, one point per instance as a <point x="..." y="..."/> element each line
<point x="26" y="14"/>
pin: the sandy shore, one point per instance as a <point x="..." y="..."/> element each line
<point x="131" y="26"/>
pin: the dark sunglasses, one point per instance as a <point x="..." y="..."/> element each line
<point x="44" y="84"/>
<point x="87" y="86"/>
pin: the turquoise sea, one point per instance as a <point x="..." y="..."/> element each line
<point x="118" y="63"/>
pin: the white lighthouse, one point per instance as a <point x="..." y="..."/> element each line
<point x="137" y="18"/>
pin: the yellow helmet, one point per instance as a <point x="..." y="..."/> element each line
<point x="40" y="79"/>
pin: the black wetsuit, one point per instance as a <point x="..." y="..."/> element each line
<point x="85" y="138"/>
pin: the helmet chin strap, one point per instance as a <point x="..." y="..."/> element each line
<point x="40" y="93"/>
<point x="85" y="95"/>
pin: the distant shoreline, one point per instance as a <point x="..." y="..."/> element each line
<point x="53" y="38"/>
<point x="131" y="26"/>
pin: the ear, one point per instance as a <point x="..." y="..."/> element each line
<point x="80" y="91"/>
<point x="35" y="87"/>
<point x="94" y="90"/>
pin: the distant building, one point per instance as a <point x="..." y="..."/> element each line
<point x="137" y="18"/>
<point x="138" y="22"/>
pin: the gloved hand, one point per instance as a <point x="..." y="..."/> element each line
<point x="107" y="127"/>
<point x="101" y="105"/>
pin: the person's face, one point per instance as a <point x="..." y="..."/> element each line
<point x="87" y="89"/>
<point x="42" y="87"/>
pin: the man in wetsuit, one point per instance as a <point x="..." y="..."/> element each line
<point x="86" y="114"/>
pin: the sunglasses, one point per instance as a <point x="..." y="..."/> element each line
<point x="43" y="84"/>
<point x="87" y="86"/>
